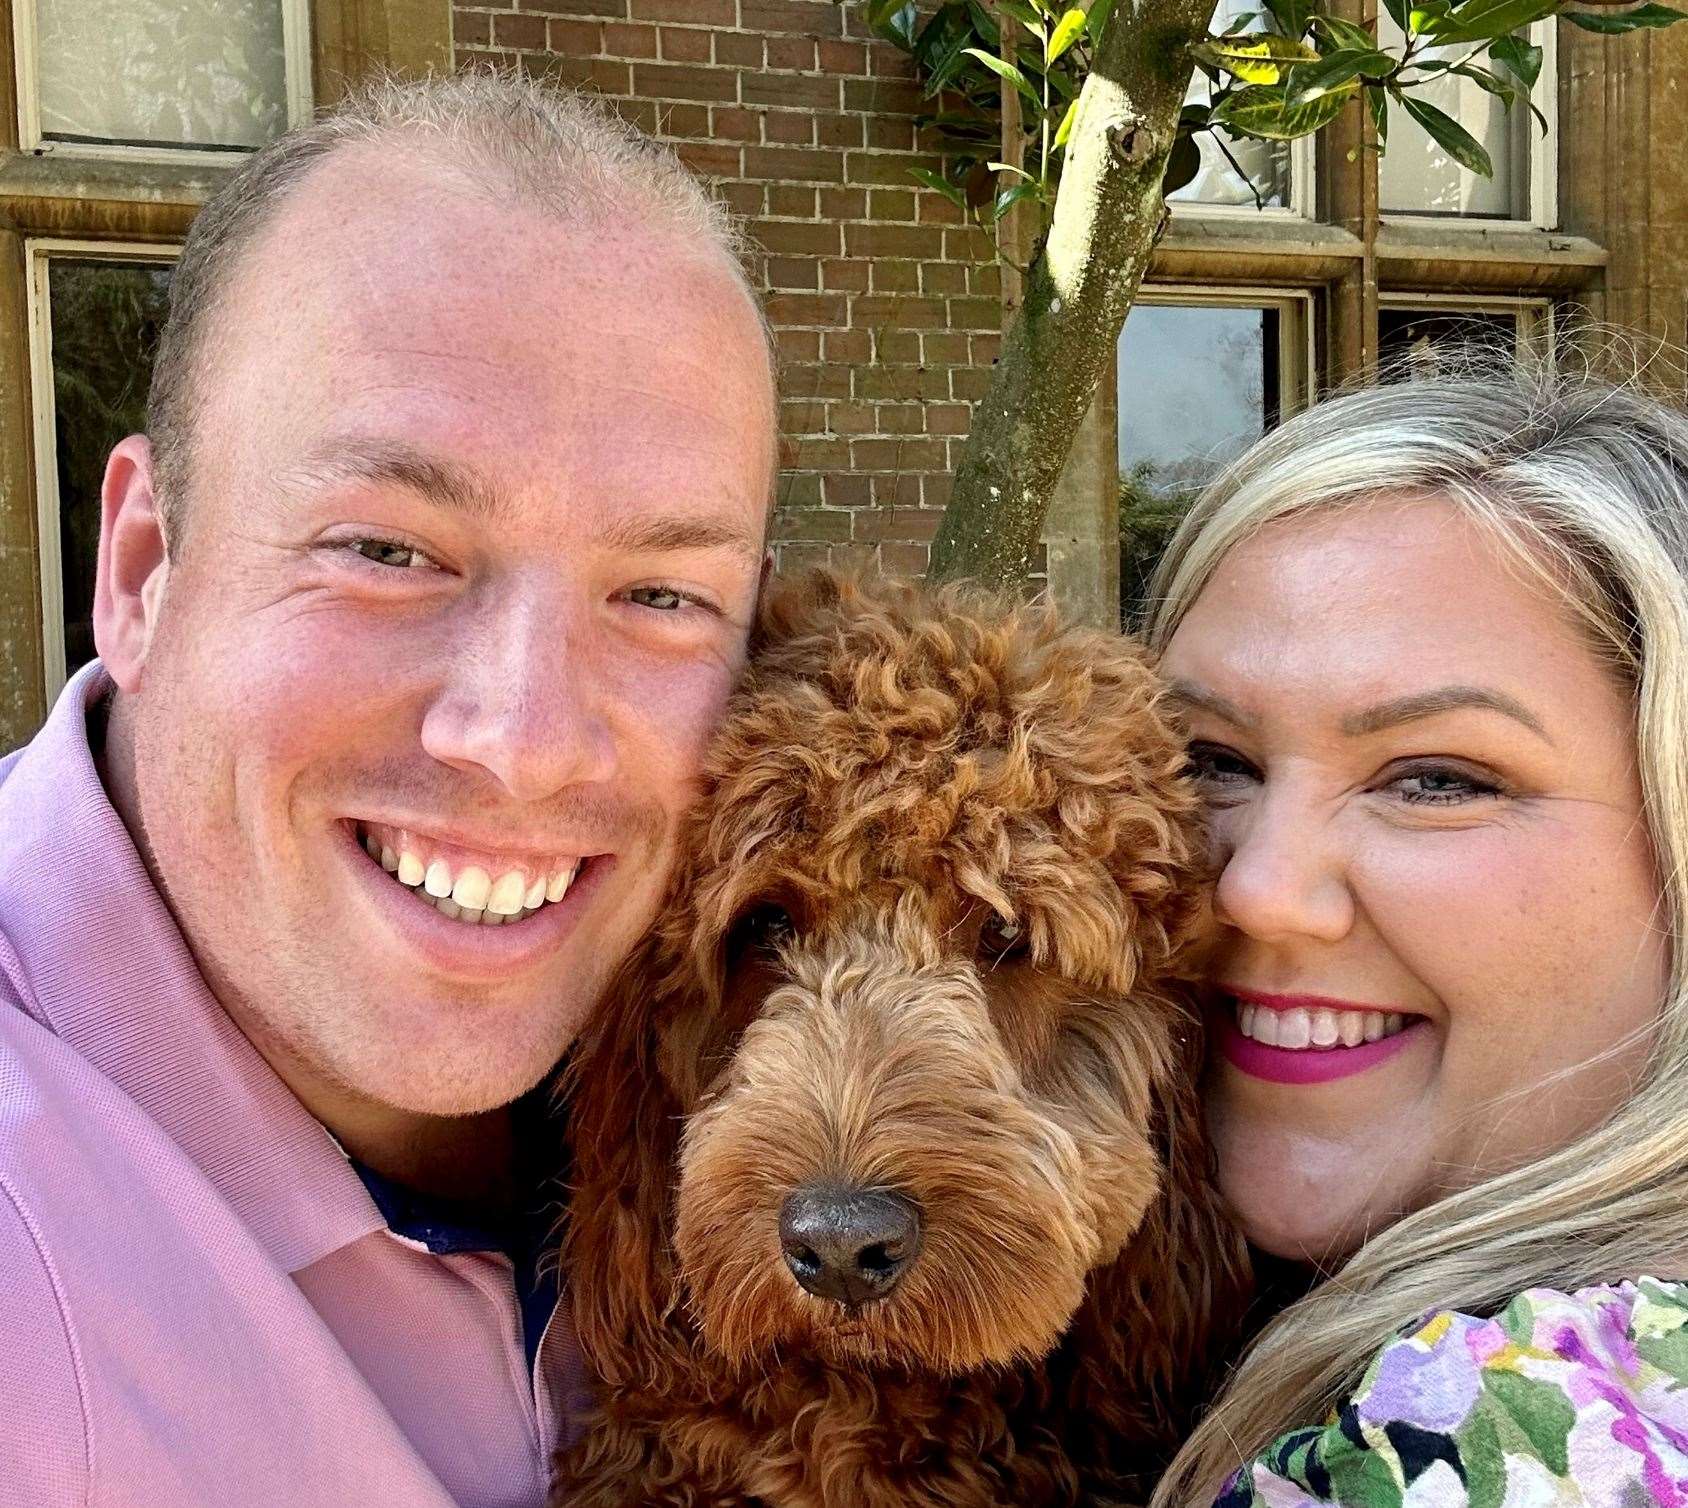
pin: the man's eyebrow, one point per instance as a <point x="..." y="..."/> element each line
<point x="671" y="533"/>
<point x="1420" y="704"/>
<point x="392" y="463"/>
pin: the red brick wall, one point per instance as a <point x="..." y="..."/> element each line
<point x="884" y="302"/>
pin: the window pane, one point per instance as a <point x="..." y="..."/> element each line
<point x="1416" y="176"/>
<point x="1197" y="384"/>
<point x="188" y="73"/>
<point x="105" y="319"/>
<point x="1265" y="164"/>
<point x="1411" y="342"/>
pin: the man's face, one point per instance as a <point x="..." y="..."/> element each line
<point x="472" y="547"/>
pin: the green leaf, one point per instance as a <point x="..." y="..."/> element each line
<point x="1100" y="10"/>
<point x="1450" y="135"/>
<point x="1426" y="14"/>
<point x="1538" y="1409"/>
<point x="1334" y="71"/>
<point x="1065" y="129"/>
<point x="1007" y="71"/>
<point x="1067" y="31"/>
<point x="1009" y="197"/>
<point x="1292" y="16"/>
<point x="1612" y="23"/>
<point x="1377" y="101"/>
<point x="1263" y="111"/>
<point x="1345" y="33"/>
<point x="1519" y="58"/>
<point x="1489" y="83"/>
<point x="1255" y="60"/>
<point x="1008" y="167"/>
<point x="985" y="24"/>
<point x="940" y="49"/>
<point x="1398" y="12"/>
<point x="1024" y="14"/>
<point x="1182" y="165"/>
<point x="894" y="20"/>
<point x="1479" y="20"/>
<point x="950" y="191"/>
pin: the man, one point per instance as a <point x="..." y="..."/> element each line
<point x="414" y="614"/>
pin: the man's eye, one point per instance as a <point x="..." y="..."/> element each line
<point x="662" y="598"/>
<point x="389" y="552"/>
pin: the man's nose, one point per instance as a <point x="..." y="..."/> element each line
<point x="1284" y="874"/>
<point x="527" y="704"/>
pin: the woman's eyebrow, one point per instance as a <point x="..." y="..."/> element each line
<point x="1419" y="704"/>
<point x="1188" y="695"/>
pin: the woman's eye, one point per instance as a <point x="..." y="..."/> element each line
<point x="390" y="552"/>
<point x="1214" y="764"/>
<point x="1442" y="785"/>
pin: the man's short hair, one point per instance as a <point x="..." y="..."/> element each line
<point x="508" y="135"/>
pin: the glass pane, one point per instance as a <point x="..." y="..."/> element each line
<point x="1416" y="176"/>
<point x="105" y="319"/>
<point x="1412" y="342"/>
<point x="184" y="73"/>
<point x="1265" y="165"/>
<point x="1197" y="384"/>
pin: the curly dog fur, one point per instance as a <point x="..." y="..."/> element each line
<point x="942" y="862"/>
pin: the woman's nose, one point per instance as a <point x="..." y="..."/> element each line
<point x="1283" y="875"/>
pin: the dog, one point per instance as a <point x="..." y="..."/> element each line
<point x="889" y="1183"/>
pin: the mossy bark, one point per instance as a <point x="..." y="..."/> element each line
<point x="1108" y="214"/>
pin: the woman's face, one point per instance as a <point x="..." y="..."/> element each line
<point x="1437" y="889"/>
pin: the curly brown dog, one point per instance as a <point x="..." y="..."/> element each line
<point x="890" y="1187"/>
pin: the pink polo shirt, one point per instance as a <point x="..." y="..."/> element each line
<point x="199" y="1301"/>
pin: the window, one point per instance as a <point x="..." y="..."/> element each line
<point x="1416" y="331"/>
<point x="95" y="311"/>
<point x="154" y="78"/>
<point x="1415" y="176"/>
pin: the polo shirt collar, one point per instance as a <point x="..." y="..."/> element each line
<point x="107" y="971"/>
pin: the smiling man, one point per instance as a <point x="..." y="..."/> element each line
<point x="414" y="610"/>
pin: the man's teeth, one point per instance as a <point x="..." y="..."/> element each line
<point x="471" y="894"/>
<point x="1300" y="1028"/>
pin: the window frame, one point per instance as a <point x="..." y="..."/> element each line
<point x="1541" y="164"/>
<point x="296" y="44"/>
<point x="1303" y="196"/>
<point x="1535" y="315"/>
<point x="39" y="253"/>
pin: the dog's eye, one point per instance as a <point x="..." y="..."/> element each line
<point x="765" y="927"/>
<point x="999" y="938"/>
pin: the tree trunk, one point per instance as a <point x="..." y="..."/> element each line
<point x="1108" y="213"/>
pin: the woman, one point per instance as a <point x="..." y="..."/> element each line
<point x="1431" y="641"/>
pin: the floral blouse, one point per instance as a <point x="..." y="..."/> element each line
<point x="1562" y="1401"/>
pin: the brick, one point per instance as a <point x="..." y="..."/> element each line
<point x="791" y="199"/>
<point x="800" y="416"/>
<point x="896" y="489"/>
<point x="975" y="313"/>
<point x="794" y="54"/>
<point x="792" y="272"/>
<point x="848" y="347"/>
<point x="896" y="277"/>
<point x="816" y="18"/>
<point x="897" y="347"/>
<point x="800" y="490"/>
<point x="845" y="277"/>
<point x="662" y="81"/>
<point x="891" y="133"/>
<point x="901" y="418"/>
<point x="795" y="558"/>
<point x="614" y="9"/>
<point x="967" y="245"/>
<point x="470" y="29"/>
<point x="797" y="91"/>
<point x="840" y="130"/>
<point x="581" y="39"/>
<point x="935" y="489"/>
<point x="937" y="210"/>
<point x="845" y="491"/>
<point x="788" y="127"/>
<point x="890" y="204"/>
<point x="907" y="561"/>
<point x="887" y="168"/>
<point x="942" y="278"/>
<point x="743" y="199"/>
<point x="853" y="419"/>
<point x="806" y="309"/>
<point x="842" y="57"/>
<point x="810" y="521"/>
<point x="738" y="49"/>
<point x="710" y="159"/>
<point x="843" y="203"/>
<point x="798" y="345"/>
<point x="897" y="455"/>
<point x="642" y="113"/>
<point x="683" y="120"/>
<point x="884" y="96"/>
<point x="734" y="124"/>
<point x="696" y="12"/>
<point x="603" y="74"/>
<point x="685" y="44"/>
<point x="814" y="238"/>
<point x="526" y="32"/>
<point x="825" y="381"/>
<point x="948" y="418"/>
<point x="971" y="383"/>
<point x="942" y="348"/>
<point x="622" y="40"/>
<point x="890" y="62"/>
<point x="876" y="524"/>
<point x="986" y="348"/>
<point x="917" y="242"/>
<point x="905" y="383"/>
<point x="794" y="163"/>
<point x="815" y="453"/>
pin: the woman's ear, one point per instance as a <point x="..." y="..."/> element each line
<point x="134" y="563"/>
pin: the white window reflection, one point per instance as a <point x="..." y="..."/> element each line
<point x="201" y="74"/>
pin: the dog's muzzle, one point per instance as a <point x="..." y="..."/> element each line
<point x="849" y="1245"/>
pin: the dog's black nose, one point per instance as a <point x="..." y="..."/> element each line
<point x="849" y="1245"/>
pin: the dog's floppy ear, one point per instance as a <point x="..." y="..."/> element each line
<point x="624" y="1124"/>
<point x="1166" y="1314"/>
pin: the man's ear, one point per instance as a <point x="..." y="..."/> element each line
<point x="134" y="563"/>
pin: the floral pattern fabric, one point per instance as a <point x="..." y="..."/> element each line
<point x="1561" y="1401"/>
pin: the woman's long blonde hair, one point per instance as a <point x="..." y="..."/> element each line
<point x="1587" y="483"/>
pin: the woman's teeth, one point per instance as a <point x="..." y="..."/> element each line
<point x="1318" y="1028"/>
<point x="470" y="893"/>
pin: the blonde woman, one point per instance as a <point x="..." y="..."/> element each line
<point x="1431" y="641"/>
